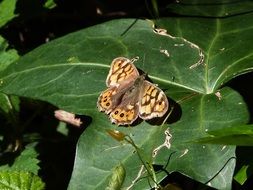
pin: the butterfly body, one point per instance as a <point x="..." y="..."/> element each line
<point x="129" y="95"/>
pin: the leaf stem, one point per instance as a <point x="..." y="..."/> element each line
<point x="148" y="166"/>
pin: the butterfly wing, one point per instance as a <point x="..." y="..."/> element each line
<point x="106" y="101"/>
<point x="121" y="77"/>
<point x="153" y="102"/>
<point x="122" y="71"/>
<point x="124" y="114"/>
<point x="127" y="111"/>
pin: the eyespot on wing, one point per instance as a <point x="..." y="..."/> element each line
<point x="122" y="116"/>
<point x="104" y="102"/>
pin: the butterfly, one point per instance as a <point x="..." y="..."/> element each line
<point x="129" y="95"/>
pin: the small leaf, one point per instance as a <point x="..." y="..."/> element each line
<point x="9" y="104"/>
<point x="117" y="135"/>
<point x="6" y="56"/>
<point x="117" y="178"/>
<point x="62" y="129"/>
<point x="7" y="8"/>
<point x="26" y="161"/>
<point x="243" y="174"/>
<point x="20" y="181"/>
<point x="50" y="4"/>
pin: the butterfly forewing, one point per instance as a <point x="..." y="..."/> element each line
<point x="122" y="70"/>
<point x="153" y="102"/>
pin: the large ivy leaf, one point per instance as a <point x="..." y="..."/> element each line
<point x="70" y="72"/>
<point x="201" y="162"/>
<point x="81" y="60"/>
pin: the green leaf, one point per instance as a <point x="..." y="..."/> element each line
<point x="98" y="171"/>
<point x="62" y="128"/>
<point x="7" y="8"/>
<point x="70" y="66"/>
<point x="243" y="174"/>
<point x="72" y="72"/>
<point x="210" y="8"/>
<point x="50" y="4"/>
<point x="26" y="161"/>
<point x="244" y="165"/>
<point x="117" y="178"/>
<point x="226" y="44"/>
<point x="197" y="118"/>
<point x="9" y="104"/>
<point x="7" y="56"/>
<point x="20" y="181"/>
<point x="200" y="115"/>
<point x="241" y="135"/>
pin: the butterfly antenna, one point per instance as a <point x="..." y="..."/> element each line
<point x="129" y="27"/>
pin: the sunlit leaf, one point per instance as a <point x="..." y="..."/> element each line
<point x="7" y="8"/>
<point x="26" y="161"/>
<point x="20" y="181"/>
